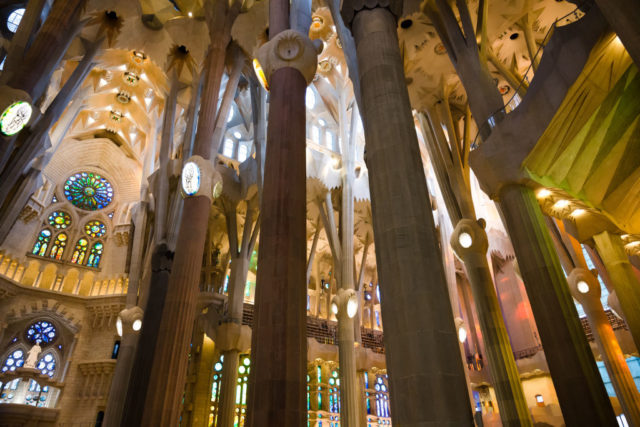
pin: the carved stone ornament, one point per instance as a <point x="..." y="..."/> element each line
<point x="291" y="49"/>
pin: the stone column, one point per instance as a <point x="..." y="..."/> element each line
<point x="202" y="387"/>
<point x="586" y="289"/>
<point x="277" y="384"/>
<point x="580" y="390"/>
<point x="170" y="359"/>
<point x="232" y="339"/>
<point x="420" y="336"/>
<point x="625" y="282"/>
<point x="470" y="244"/>
<point x="345" y="306"/>
<point x="623" y="16"/>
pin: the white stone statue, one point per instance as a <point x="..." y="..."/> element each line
<point x="32" y="356"/>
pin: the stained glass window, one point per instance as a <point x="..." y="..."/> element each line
<point x="59" y="220"/>
<point x="58" y="246"/>
<point x="13" y="361"/>
<point x="42" y="331"/>
<point x="13" y="21"/>
<point x="80" y="251"/>
<point x="88" y="191"/>
<point x="95" y="255"/>
<point x="47" y="365"/>
<point x="95" y="229"/>
<point x="42" y="243"/>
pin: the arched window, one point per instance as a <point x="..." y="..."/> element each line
<point x="242" y="153"/>
<point x="95" y="255"/>
<point x="315" y="134"/>
<point x="95" y="229"/>
<point x="42" y="243"/>
<point x="14" y="360"/>
<point x="59" y="220"/>
<point x="310" y="98"/>
<point x="47" y="364"/>
<point x="227" y="149"/>
<point x="80" y="251"/>
<point x="13" y="21"/>
<point x="58" y="246"/>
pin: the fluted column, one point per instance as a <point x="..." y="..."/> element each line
<point x="470" y="244"/>
<point x="585" y="288"/>
<point x="580" y="390"/>
<point x="418" y="318"/>
<point x="277" y="384"/>
<point x="625" y="282"/>
<point x="168" y="372"/>
<point x="232" y="339"/>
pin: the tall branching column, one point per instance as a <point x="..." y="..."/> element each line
<point x="580" y="390"/>
<point x="233" y="338"/>
<point x="585" y="288"/>
<point x="625" y="282"/>
<point x="450" y="157"/>
<point x="420" y="338"/>
<point x="277" y="384"/>
<point x="166" y="385"/>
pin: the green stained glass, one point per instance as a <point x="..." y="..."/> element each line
<point x="95" y="255"/>
<point x="88" y="191"/>
<point x="95" y="229"/>
<point x="40" y="247"/>
<point x="59" y="220"/>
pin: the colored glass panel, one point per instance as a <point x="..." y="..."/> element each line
<point x="95" y="255"/>
<point x="41" y="331"/>
<point x="80" y="251"/>
<point x="59" y="220"/>
<point x="58" y="246"/>
<point x="42" y="243"/>
<point x="95" y="229"/>
<point x="88" y="191"/>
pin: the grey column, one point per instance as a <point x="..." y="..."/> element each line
<point x="426" y="376"/>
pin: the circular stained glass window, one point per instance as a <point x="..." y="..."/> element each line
<point x="42" y="331"/>
<point x="88" y="191"/>
<point x="59" y="220"/>
<point x="95" y="229"/>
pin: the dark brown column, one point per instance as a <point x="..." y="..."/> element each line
<point x="580" y="390"/>
<point x="427" y="381"/>
<point x="168" y="373"/>
<point x="624" y="16"/>
<point x="278" y="386"/>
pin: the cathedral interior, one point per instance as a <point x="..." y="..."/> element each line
<point x="321" y="213"/>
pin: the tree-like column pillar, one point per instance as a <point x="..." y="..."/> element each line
<point x="581" y="393"/>
<point x="232" y="339"/>
<point x="277" y="383"/>
<point x="623" y="279"/>
<point x="585" y="288"/>
<point x="420" y="336"/>
<point x="470" y="244"/>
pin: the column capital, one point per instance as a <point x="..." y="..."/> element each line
<point x="129" y="321"/>
<point x="350" y="8"/>
<point x="291" y="49"/>
<point x="232" y="336"/>
<point x="469" y="238"/>
<point x="584" y="287"/>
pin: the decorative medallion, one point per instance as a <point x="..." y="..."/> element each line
<point x="59" y="220"/>
<point x="88" y="191"/>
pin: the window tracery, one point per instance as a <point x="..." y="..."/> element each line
<point x="41" y="331"/>
<point x="58" y="246"/>
<point x="59" y="220"/>
<point x="42" y="243"/>
<point x="14" y="19"/>
<point x="95" y="255"/>
<point x="14" y="360"/>
<point x="88" y="191"/>
<point x="80" y="251"/>
<point x="95" y="229"/>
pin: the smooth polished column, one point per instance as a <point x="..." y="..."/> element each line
<point x="625" y="283"/>
<point x="585" y="288"/>
<point x="581" y="393"/>
<point x="423" y="357"/>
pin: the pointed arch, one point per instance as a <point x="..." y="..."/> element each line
<point x="42" y="242"/>
<point x="80" y="251"/>
<point x="59" y="244"/>
<point x="95" y="255"/>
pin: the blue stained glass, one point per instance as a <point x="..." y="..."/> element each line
<point x="42" y="331"/>
<point x="88" y="191"/>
